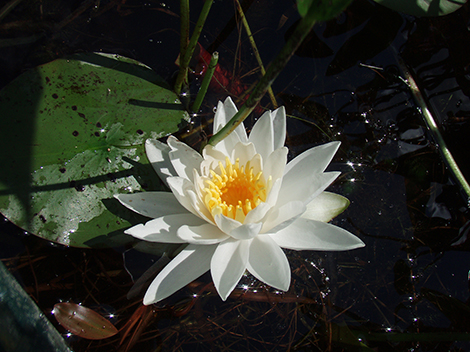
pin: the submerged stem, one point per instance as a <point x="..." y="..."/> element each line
<point x="276" y="66"/>
<point x="5" y="10"/>
<point x="255" y="50"/>
<point x="432" y="125"/>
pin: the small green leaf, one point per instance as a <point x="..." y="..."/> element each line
<point x="423" y="7"/>
<point x="325" y="9"/>
<point x="72" y="136"/>
<point x="83" y="322"/>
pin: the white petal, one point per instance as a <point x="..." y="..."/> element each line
<point x="199" y="207"/>
<point x="207" y="165"/>
<point x="183" y="158"/>
<point x="164" y="229"/>
<point x="157" y="153"/>
<point x="283" y="216"/>
<point x="209" y="152"/>
<point x="228" y="265"/>
<point x="195" y="196"/>
<point x="256" y="163"/>
<point x="223" y="115"/>
<point x="325" y="207"/>
<point x="268" y="263"/>
<point x="316" y="235"/>
<point x="246" y="231"/>
<point x="220" y="117"/>
<point x="152" y="204"/>
<point x="235" y="229"/>
<point x="180" y="186"/>
<point x="187" y="266"/>
<point x="258" y="213"/>
<point x="225" y="111"/>
<point x="202" y="234"/>
<point x="226" y="224"/>
<point x="244" y="152"/>
<point x="313" y="160"/>
<point x="274" y="192"/>
<point x="262" y="135"/>
<point x="279" y="127"/>
<point x="227" y="144"/>
<point x="304" y="187"/>
<point x="275" y="164"/>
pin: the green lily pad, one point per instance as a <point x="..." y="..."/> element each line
<point x="423" y="7"/>
<point x="72" y="136"/>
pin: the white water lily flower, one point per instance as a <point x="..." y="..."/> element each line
<point x="237" y="205"/>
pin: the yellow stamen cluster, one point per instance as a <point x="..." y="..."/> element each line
<point x="234" y="190"/>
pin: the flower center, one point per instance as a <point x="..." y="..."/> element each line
<point x="234" y="191"/>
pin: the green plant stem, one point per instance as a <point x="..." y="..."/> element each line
<point x="432" y="126"/>
<point x="184" y="61"/>
<point x="276" y="66"/>
<point x="255" y="50"/>
<point x="5" y="10"/>
<point x="205" y="82"/>
<point x="184" y="26"/>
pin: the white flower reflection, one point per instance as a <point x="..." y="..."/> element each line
<point x="237" y="205"/>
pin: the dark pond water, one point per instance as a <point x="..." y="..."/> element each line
<point x="406" y="290"/>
